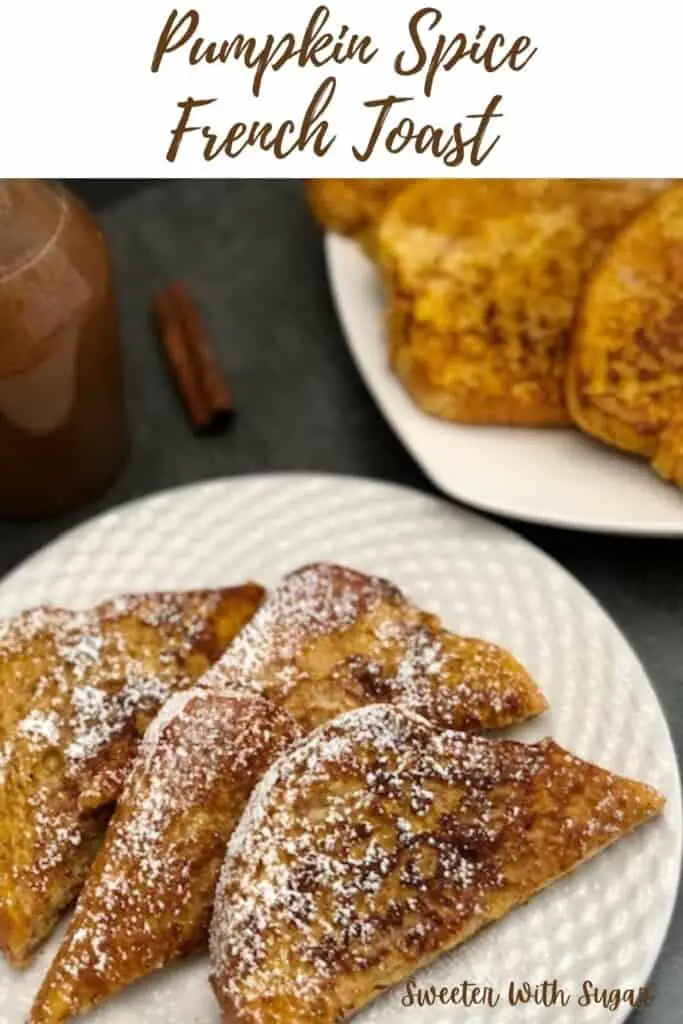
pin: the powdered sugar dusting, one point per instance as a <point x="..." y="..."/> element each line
<point x="41" y="727"/>
<point x="480" y="679"/>
<point x="28" y="653"/>
<point x="90" y="679"/>
<point x="310" y="604"/>
<point x="97" y="677"/>
<point x="16" y="632"/>
<point x="379" y="836"/>
<point x="329" y="639"/>
<point x="148" y="896"/>
<point x="314" y="825"/>
<point x="97" y="717"/>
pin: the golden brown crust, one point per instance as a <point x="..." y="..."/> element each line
<point x="346" y="206"/>
<point x="379" y="843"/>
<point x="148" y="897"/>
<point x="329" y="639"/>
<point x="668" y="457"/>
<point x="483" y="279"/>
<point x="105" y="673"/>
<point x="625" y="370"/>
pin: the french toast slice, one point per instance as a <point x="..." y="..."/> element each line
<point x="378" y="843"/>
<point x="483" y="280"/>
<point x="149" y="895"/>
<point x="625" y="369"/>
<point x="352" y="207"/>
<point x="104" y="675"/>
<point x="329" y="639"/>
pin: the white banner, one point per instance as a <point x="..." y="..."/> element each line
<point x="488" y="88"/>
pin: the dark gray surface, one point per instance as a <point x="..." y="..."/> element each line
<point x="250" y="252"/>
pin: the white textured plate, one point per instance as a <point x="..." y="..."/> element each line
<point x="607" y="922"/>
<point x="556" y="477"/>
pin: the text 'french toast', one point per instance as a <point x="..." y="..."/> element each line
<point x="329" y="639"/>
<point x="352" y="207"/>
<point x="104" y="674"/>
<point x="625" y="373"/>
<point x="483" y="280"/>
<point x="149" y="895"/>
<point x="378" y="843"/>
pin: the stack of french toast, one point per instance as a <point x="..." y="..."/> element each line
<point x="299" y="778"/>
<point x="531" y="302"/>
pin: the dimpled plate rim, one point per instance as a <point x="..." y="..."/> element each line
<point x="553" y="477"/>
<point x="608" y="921"/>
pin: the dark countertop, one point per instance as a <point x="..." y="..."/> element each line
<point x="302" y="406"/>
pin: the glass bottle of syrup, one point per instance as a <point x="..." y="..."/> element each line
<point x="62" y="422"/>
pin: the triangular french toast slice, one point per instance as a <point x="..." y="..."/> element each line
<point x="329" y="639"/>
<point x="378" y="843"/>
<point x="148" y="897"/>
<point x="104" y="675"/>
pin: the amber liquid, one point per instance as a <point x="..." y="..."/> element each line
<point x="62" y="423"/>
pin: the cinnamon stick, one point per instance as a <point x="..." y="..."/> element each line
<point x="198" y="375"/>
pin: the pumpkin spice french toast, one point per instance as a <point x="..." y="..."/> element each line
<point x="625" y="371"/>
<point x="103" y="674"/>
<point x="379" y="843"/>
<point x="329" y="639"/>
<point x="149" y="895"/>
<point x="352" y="207"/>
<point x="483" y="280"/>
<point x="326" y="640"/>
